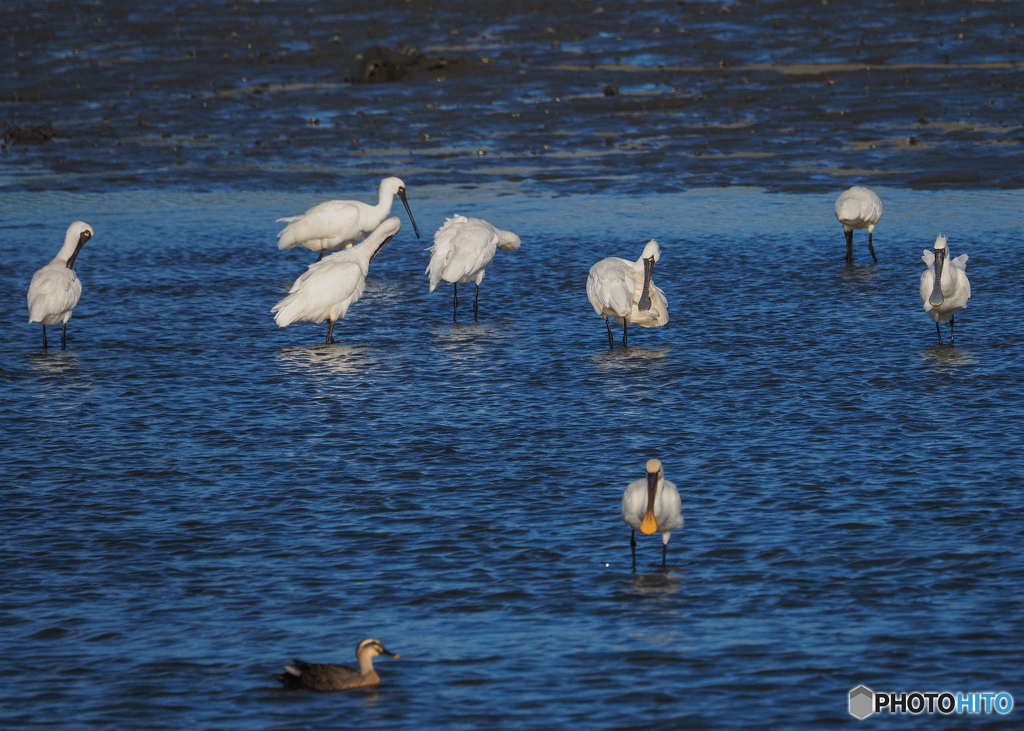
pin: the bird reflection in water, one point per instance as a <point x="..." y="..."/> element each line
<point x="322" y="359"/>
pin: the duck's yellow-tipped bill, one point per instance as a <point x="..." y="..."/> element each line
<point x="649" y="525"/>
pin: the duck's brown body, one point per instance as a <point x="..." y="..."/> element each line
<point x="325" y="677"/>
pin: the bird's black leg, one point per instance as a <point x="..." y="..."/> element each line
<point x="64" y="337"/>
<point x="611" y="340"/>
<point x="952" y="318"/>
<point x="871" y="248"/>
<point x="44" y="337"/>
<point x="625" y="325"/>
<point x="664" y="553"/>
<point x="632" y="546"/>
<point x="330" y="332"/>
<point x="849" y="246"/>
<point x="455" y="312"/>
<point x="476" y="299"/>
<point x="321" y="255"/>
<point x="939" y="332"/>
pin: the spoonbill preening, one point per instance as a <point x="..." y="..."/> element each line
<point x="330" y="286"/>
<point x="652" y="505"/>
<point x="858" y="208"/>
<point x="55" y="289"/>
<point x="321" y="676"/>
<point x="463" y="248"/>
<point x="624" y="290"/>
<point x="336" y="224"/>
<point x="945" y="288"/>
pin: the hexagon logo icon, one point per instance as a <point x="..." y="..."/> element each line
<point x="862" y="702"/>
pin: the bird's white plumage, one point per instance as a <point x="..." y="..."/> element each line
<point x="330" y="286"/>
<point x="463" y="248"/>
<point x="956" y="288"/>
<point x="334" y="224"/>
<point x="858" y="208"/>
<point x="668" y="508"/>
<point x="615" y="285"/>
<point x="55" y="289"/>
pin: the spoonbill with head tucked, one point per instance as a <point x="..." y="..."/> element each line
<point x="652" y="505"/>
<point x="858" y="208"/>
<point x="624" y="290"/>
<point x="330" y="286"/>
<point x="463" y="248"/>
<point x="945" y="288"/>
<point x="302" y="675"/>
<point x="335" y="224"/>
<point x="55" y="289"/>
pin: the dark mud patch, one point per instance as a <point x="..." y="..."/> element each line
<point x="29" y="135"/>
<point x="381" y="65"/>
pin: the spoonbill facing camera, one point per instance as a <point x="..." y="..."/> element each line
<point x="330" y="286"/>
<point x="55" y="289"/>
<point x="336" y="224"/>
<point x="463" y="248"/>
<point x="945" y="288"/>
<point x="625" y="290"/>
<point x="651" y="505"/>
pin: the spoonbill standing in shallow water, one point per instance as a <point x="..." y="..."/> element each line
<point x="330" y="286"/>
<point x="652" y="505"/>
<point x="55" y="289"/>
<point x="858" y="208"/>
<point x="463" y="248"/>
<point x="322" y="676"/>
<point x="945" y="288"/>
<point x="624" y="290"/>
<point x="334" y="224"/>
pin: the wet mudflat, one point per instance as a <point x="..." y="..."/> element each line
<point x="781" y="95"/>
<point x="192" y="496"/>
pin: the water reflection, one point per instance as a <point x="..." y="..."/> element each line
<point x="53" y="362"/>
<point x="322" y="359"/>
<point x="626" y="358"/>
<point x="859" y="273"/>
<point x="662" y="581"/>
<point x="940" y="357"/>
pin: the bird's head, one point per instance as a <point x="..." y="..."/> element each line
<point x="393" y="187"/>
<point x="941" y="252"/>
<point x="651" y="251"/>
<point x="78" y="233"/>
<point x="371" y="648"/>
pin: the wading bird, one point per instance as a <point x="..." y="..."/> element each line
<point x="652" y="505"/>
<point x="463" y="248"/>
<point x="858" y="208"/>
<point x="624" y="290"/>
<point x="321" y="676"/>
<point x="55" y="289"/>
<point x="330" y="286"/>
<point x="335" y="224"/>
<point x="945" y="288"/>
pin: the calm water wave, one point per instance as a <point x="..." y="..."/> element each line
<point x="192" y="496"/>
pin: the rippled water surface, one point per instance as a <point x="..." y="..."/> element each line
<point x="192" y="496"/>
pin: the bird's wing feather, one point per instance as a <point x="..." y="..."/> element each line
<point x="443" y="248"/>
<point x="613" y="285"/>
<point x="928" y="257"/>
<point x="322" y="221"/>
<point x="961" y="262"/>
<point x="473" y="247"/>
<point x="52" y="290"/>
<point x="326" y="284"/>
<point x="670" y="513"/>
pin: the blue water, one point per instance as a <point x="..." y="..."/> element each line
<point x="191" y="496"/>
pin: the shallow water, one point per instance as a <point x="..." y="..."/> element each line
<point x="193" y="497"/>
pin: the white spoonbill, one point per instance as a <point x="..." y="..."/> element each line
<point x="624" y="290"/>
<point x="55" y="289"/>
<point x="302" y="675"/>
<point x="463" y="248"/>
<point x="858" y="208"/>
<point x="945" y="288"/>
<point x="335" y="224"/>
<point x="652" y="505"/>
<point x="330" y="286"/>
